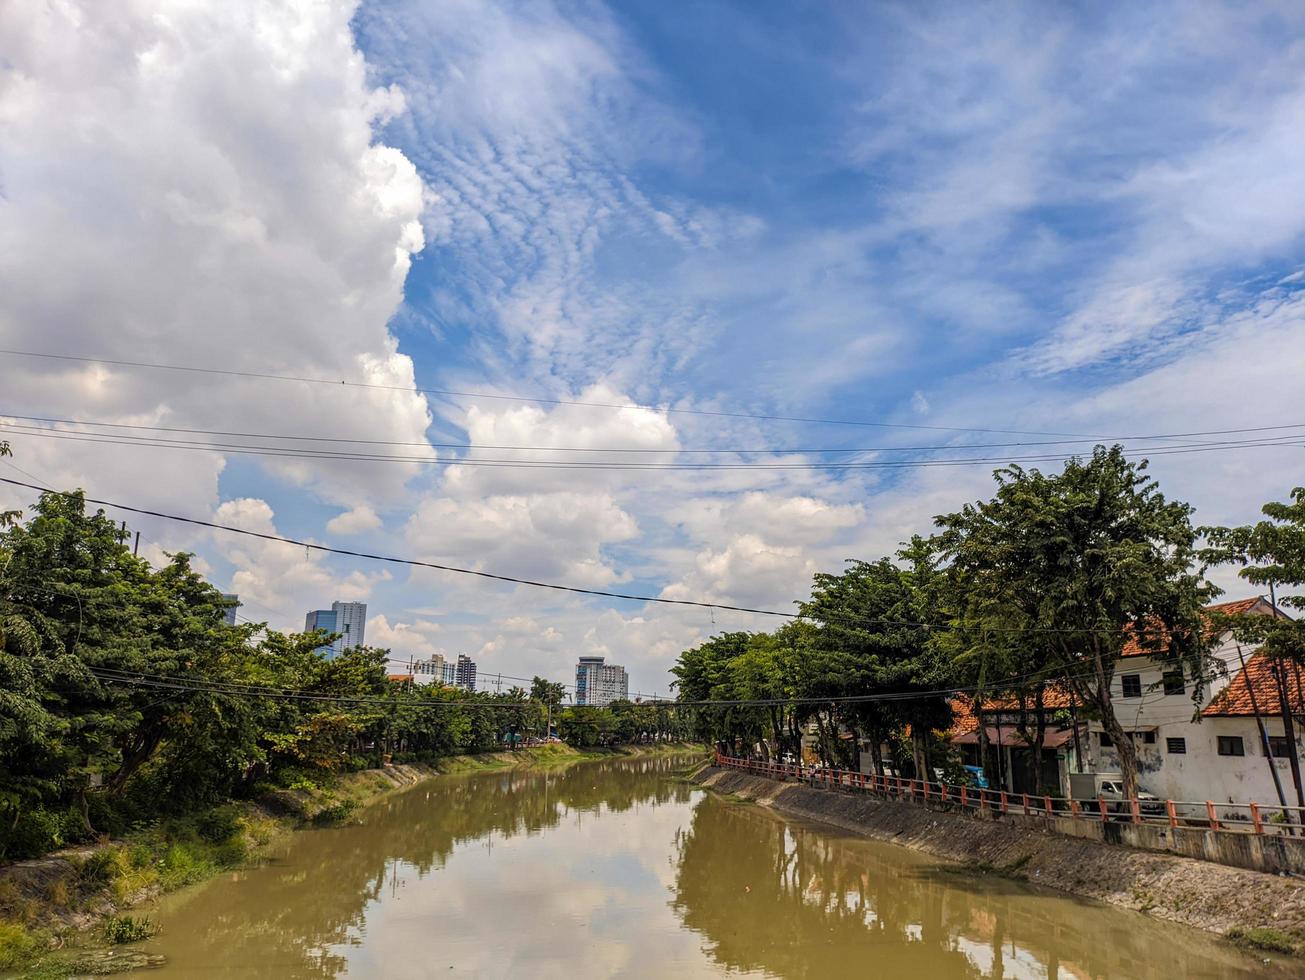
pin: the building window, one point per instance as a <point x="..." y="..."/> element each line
<point x="1176" y="746"/>
<point x="1231" y="745"/>
<point x="1147" y="738"/>
<point x="1132" y="685"/>
<point x="1174" y="682"/>
<point x="1106" y="743"/>
<point x="1278" y="747"/>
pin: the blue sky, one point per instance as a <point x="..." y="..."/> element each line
<point x="1034" y="217"/>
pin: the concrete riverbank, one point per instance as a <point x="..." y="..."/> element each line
<point x="1230" y="901"/>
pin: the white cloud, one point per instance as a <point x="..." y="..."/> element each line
<point x="355" y="521"/>
<point x="198" y="184"/>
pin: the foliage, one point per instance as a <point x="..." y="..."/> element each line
<point x="124" y="696"/>
<point x="17" y="945"/>
<point x="119" y="929"/>
<point x="1042" y="585"/>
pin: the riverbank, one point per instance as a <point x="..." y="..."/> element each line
<point x="1266" y="912"/>
<point x="61" y="914"/>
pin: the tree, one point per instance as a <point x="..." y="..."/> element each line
<point x="1272" y="553"/>
<point x="1081" y="562"/>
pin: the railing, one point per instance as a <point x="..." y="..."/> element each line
<point x="1246" y="818"/>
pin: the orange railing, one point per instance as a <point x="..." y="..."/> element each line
<point x="1249" y="818"/>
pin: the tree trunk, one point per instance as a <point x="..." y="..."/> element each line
<point x="1124" y="747"/>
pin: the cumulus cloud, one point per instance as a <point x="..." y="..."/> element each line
<point x="200" y="185"/>
<point x="355" y="521"/>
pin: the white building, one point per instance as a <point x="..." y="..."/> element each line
<point x="1207" y="749"/>
<point x="598" y="683"/>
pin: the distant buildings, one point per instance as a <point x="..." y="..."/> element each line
<point x="229" y="614"/>
<point x="348" y="619"/>
<point x="598" y="683"/>
<point x="466" y="672"/>
<point x="441" y="671"/>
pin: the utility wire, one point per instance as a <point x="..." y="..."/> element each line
<point x="155" y="366"/>
<point x="492" y="463"/>
<point x="770" y="450"/>
<point x="553" y="586"/>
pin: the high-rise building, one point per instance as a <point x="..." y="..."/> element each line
<point x="229" y="614"/>
<point x="348" y="619"/>
<point x="466" y="672"/>
<point x="439" y="670"/>
<point x="598" y="683"/>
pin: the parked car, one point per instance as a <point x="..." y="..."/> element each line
<point x="1109" y="786"/>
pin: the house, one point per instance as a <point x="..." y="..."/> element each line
<point x="1200" y="749"/>
<point x="1010" y="748"/>
<point x="1188" y="748"/>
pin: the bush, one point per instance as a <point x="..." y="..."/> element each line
<point x="218" y="825"/>
<point x="17" y="945"/>
<point x="39" y="832"/>
<point x="128" y="929"/>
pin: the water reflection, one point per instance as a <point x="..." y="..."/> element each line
<point x="616" y="869"/>
<point x="795" y="901"/>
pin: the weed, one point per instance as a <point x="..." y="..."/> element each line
<point x="1261" y="938"/>
<point x="17" y="945"/>
<point x="128" y="929"/>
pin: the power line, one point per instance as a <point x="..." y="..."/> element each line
<point x="446" y="392"/>
<point x="552" y="586"/>
<point x="770" y="450"/>
<point x="348" y="456"/>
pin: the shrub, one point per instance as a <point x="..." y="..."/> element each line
<point x="17" y="945"/>
<point x="128" y="929"/>
<point x="218" y="825"/>
<point x="335" y="812"/>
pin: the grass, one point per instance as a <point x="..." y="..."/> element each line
<point x="17" y="945"/>
<point x="1013" y="871"/>
<point x="1261" y="939"/>
<point x="119" y="929"/>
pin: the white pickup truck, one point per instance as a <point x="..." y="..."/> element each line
<point x="1087" y="787"/>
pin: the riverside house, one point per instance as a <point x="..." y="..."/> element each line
<point x="1189" y="748"/>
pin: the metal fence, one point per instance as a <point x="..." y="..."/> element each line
<point x="1243" y="818"/>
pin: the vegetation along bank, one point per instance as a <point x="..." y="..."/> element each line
<point x="70" y="912"/>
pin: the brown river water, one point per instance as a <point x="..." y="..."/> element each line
<point x="620" y="868"/>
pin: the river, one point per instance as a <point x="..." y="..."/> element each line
<point x="619" y="868"/>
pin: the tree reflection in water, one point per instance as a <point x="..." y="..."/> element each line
<point x="790" y="900"/>
<point x="614" y="868"/>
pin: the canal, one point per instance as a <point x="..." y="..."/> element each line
<point x="621" y="868"/>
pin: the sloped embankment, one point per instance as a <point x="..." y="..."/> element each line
<point x="1208" y="896"/>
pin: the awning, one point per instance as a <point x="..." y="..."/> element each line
<point x="1009" y="735"/>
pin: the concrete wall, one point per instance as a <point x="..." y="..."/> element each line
<point x="1269" y="853"/>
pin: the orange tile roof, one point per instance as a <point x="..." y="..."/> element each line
<point x="963" y="720"/>
<point x="1054" y="698"/>
<point x="1237" y="607"/>
<point x="1260" y="678"/>
<point x="399" y="678"/>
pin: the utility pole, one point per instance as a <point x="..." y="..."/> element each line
<point x="1264" y="736"/>
<point x="1288" y="727"/>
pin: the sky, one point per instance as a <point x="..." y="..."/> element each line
<point x="655" y="229"/>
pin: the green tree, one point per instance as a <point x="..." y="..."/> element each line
<point x="1080" y="561"/>
<point x="1272" y="553"/>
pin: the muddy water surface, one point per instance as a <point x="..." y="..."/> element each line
<point x="618" y="868"/>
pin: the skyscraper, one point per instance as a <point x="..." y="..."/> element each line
<point x="348" y="619"/>
<point x="229" y="614"/>
<point x="466" y="672"/>
<point x="598" y="683"/>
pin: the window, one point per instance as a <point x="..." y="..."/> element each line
<point x="1231" y="745"/>
<point x="1132" y="685"/>
<point x="1278" y="747"/>
<point x="1174" y="682"/>
<point x="1176" y="746"/>
<point x="1106" y="743"/>
<point x="1146" y="738"/>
